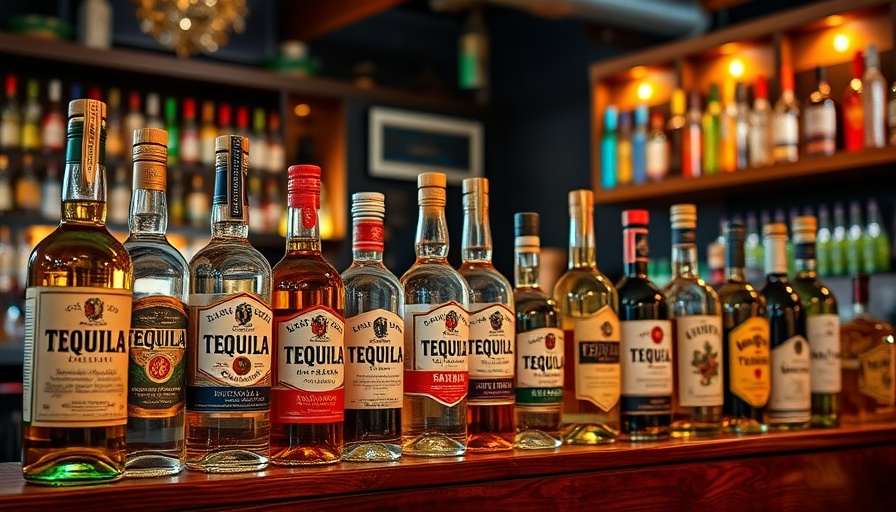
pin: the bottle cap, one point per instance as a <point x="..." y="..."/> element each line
<point x="760" y="91"/>
<point x="581" y="197"/>
<point x="525" y="224"/>
<point x="368" y="205"/>
<point x="678" y="101"/>
<point x="775" y="230"/>
<point x="635" y="218"/>
<point x="150" y="156"/>
<point x="804" y="228"/>
<point x="683" y="215"/>
<point x="303" y="192"/>
<point x="431" y="188"/>
<point x="80" y="106"/>
<point x="786" y="78"/>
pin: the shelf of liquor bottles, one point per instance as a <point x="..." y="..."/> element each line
<point x="846" y="468"/>
<point x="757" y="107"/>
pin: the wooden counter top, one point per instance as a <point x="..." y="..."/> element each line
<point x="852" y="467"/>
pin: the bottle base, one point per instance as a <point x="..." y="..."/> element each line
<point x="824" y="421"/>
<point x="433" y="445"/>
<point x="72" y="470"/>
<point x="743" y="426"/>
<point x="537" y="440"/>
<point x="646" y="435"/>
<point x="589" y="433"/>
<point x="788" y="427"/>
<point x="230" y="461"/>
<point x="146" y="465"/>
<point x="687" y="429"/>
<point x="371" y="452"/>
<point x="489" y="443"/>
<point x="306" y="455"/>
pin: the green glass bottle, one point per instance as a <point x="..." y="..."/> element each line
<point x="875" y="242"/>
<point x="173" y="130"/>
<point x="855" y="234"/>
<point x="838" y="241"/>
<point x="823" y="242"/>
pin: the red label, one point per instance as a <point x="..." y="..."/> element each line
<point x="368" y="236"/>
<point x="447" y="388"/>
<point x="297" y="406"/>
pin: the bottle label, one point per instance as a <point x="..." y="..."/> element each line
<point x="749" y="361"/>
<point x="699" y="354"/>
<point x="597" y="370"/>
<point x="491" y="358"/>
<point x="231" y="169"/>
<point x="539" y="366"/>
<point x="657" y="159"/>
<point x="791" y="396"/>
<point x="75" y="370"/>
<point x="230" y="365"/>
<point x="310" y="373"/>
<point x="9" y="132"/>
<point x="786" y="130"/>
<point x="158" y="362"/>
<point x="53" y="134"/>
<point x="646" y="359"/>
<point x="821" y="130"/>
<point x="876" y="371"/>
<point x="374" y="368"/>
<point x="436" y="340"/>
<point x="823" y="333"/>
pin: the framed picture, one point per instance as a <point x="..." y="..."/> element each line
<point x="404" y="143"/>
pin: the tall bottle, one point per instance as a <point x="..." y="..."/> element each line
<point x="746" y="340"/>
<point x="589" y="306"/>
<point x="761" y="126"/>
<point x="79" y="285"/>
<point x="869" y="357"/>
<point x="158" y="339"/>
<point x="189" y="134"/>
<point x="434" y="414"/>
<point x="874" y="100"/>
<point x="696" y="334"/>
<point x="609" y="158"/>
<point x="539" y="345"/>
<point x="308" y="364"/>
<point x="11" y="115"/>
<point x="853" y="114"/>
<point x="823" y="242"/>
<point x="229" y="350"/>
<point x="728" y="148"/>
<point x="820" y="123"/>
<point x="52" y="126"/>
<point x="374" y="341"/>
<point x="785" y="122"/>
<point x="754" y="252"/>
<point x="822" y="326"/>
<point x="790" y="400"/>
<point x="741" y="126"/>
<point x="692" y="146"/>
<point x="838" y="241"/>
<point x="675" y="127"/>
<point x="645" y="343"/>
<point x="712" y="132"/>
<point x="624" y="155"/>
<point x="639" y="145"/>
<point x="875" y="242"/>
<point x="490" y="357"/>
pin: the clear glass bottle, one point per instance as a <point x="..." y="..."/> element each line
<point x="52" y="133"/>
<point x="374" y="341"/>
<point x="189" y="134"/>
<point x="645" y="343"/>
<point x="32" y="111"/>
<point x="868" y="352"/>
<point x="159" y="319"/>
<point x="746" y="334"/>
<point x="229" y="349"/>
<point x="822" y="326"/>
<point x="589" y="306"/>
<point x="658" y="149"/>
<point x="876" y="248"/>
<point x="490" y="356"/>
<point x="639" y="145"/>
<point x="308" y="377"/>
<point x="434" y="413"/>
<point x="696" y="334"/>
<point x="820" y="124"/>
<point x="874" y="100"/>
<point x="742" y="126"/>
<point x="609" y="139"/>
<point x="785" y="122"/>
<point x="790" y="400"/>
<point x="79" y="285"/>
<point x="539" y="345"/>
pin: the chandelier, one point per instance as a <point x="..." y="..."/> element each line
<point x="191" y="26"/>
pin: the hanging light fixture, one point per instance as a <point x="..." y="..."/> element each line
<point x="191" y="26"/>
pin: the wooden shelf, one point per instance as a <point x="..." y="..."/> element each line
<point x="717" y="186"/>
<point x="838" y="469"/>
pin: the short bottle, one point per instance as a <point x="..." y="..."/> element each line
<point x="374" y="340"/>
<point x="589" y="305"/>
<point x="490" y="356"/>
<point x="308" y="363"/>
<point x="868" y="349"/>
<point x="540" y="362"/>
<point x="645" y="344"/>
<point x="696" y="334"/>
<point x="822" y="326"/>
<point x="229" y="350"/>
<point x="745" y="329"/>
<point x="159" y="320"/>
<point x="79" y="284"/>
<point x="790" y="400"/>
<point x="434" y="413"/>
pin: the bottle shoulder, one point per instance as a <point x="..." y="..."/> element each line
<point x="223" y="256"/>
<point x="487" y="285"/>
<point x="357" y="277"/>
<point x="82" y="246"/>
<point x="583" y="280"/>
<point x="638" y="290"/>
<point x="813" y="291"/>
<point x="434" y="282"/>
<point x="780" y="294"/>
<point x="309" y="270"/>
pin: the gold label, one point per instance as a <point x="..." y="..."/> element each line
<point x="157" y="342"/>
<point x="876" y="373"/>
<point x="149" y="176"/>
<point x="749" y="360"/>
<point x="597" y="369"/>
<point x="90" y="141"/>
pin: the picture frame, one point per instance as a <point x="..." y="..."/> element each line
<point x="404" y="143"/>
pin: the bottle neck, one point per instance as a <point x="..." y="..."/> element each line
<point x="804" y="257"/>
<point x="635" y="250"/>
<point x="367" y="240"/>
<point x="230" y="204"/>
<point x="432" y="232"/>
<point x="477" y="239"/>
<point x="149" y="213"/>
<point x="528" y="254"/>
<point x="303" y="228"/>
<point x="776" y="256"/>
<point x="736" y="260"/>
<point x="84" y="183"/>
<point x="581" y="238"/>
<point x="684" y="252"/>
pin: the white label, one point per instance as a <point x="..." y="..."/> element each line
<point x="699" y="354"/>
<point x="374" y="366"/>
<point x="823" y="333"/>
<point x="646" y="357"/>
<point x="233" y="346"/>
<point x="76" y="356"/>
<point x="657" y="164"/>
<point x="310" y="350"/>
<point x="540" y="359"/>
<point x="821" y="122"/>
<point x="276" y="157"/>
<point x="207" y="150"/>
<point x="10" y="135"/>
<point x="436" y="338"/>
<point x="597" y="369"/>
<point x="791" y="398"/>
<point x="492" y="329"/>
<point x="786" y="130"/>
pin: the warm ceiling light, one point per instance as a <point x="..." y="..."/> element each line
<point x="192" y="26"/>
<point x="645" y="91"/>
<point x="302" y="109"/>
<point x="736" y="68"/>
<point x="841" y="43"/>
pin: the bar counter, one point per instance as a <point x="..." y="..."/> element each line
<point x="847" y="468"/>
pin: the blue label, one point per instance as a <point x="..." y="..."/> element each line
<point x="220" y="196"/>
<point x="224" y="399"/>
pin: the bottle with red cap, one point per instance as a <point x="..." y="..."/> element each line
<point x="760" y="153"/>
<point x="645" y="343"/>
<point x="785" y="121"/>
<point x="853" y="112"/>
<point x="308" y="369"/>
<point x="189" y="134"/>
<point x="11" y="116"/>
